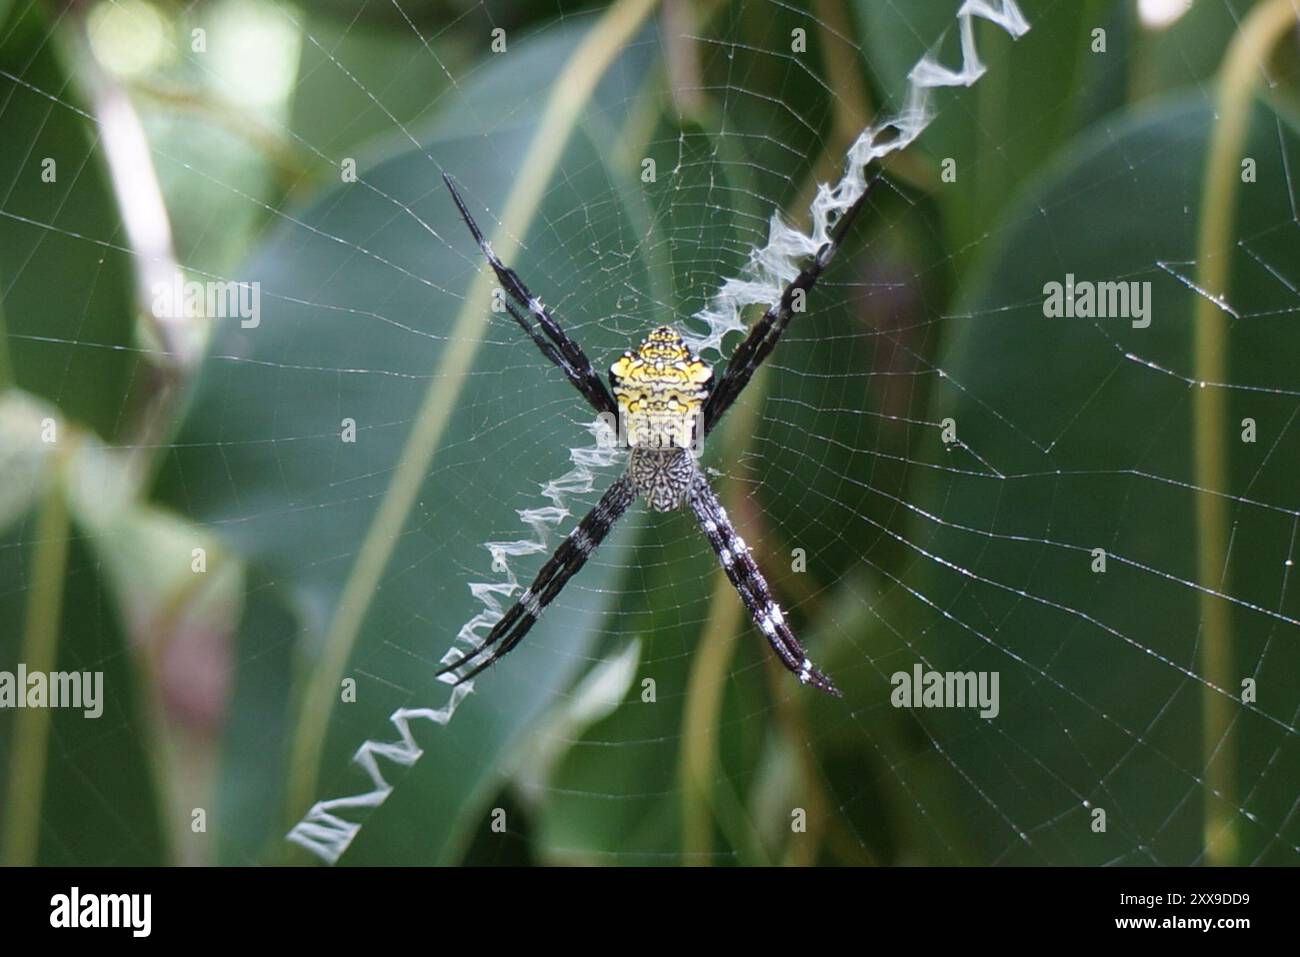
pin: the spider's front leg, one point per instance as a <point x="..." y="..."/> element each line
<point x="552" y="340"/>
<point x="762" y="339"/>
<point x="743" y="571"/>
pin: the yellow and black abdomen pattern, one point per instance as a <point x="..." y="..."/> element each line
<point x="660" y="389"/>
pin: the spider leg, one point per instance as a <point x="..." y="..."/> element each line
<point x="544" y="345"/>
<point x="743" y="571"/>
<point x="571" y="555"/>
<point x="560" y="349"/>
<point x="751" y="353"/>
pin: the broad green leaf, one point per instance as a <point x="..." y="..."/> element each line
<point x="69" y="312"/>
<point x="364" y="317"/>
<point x="1036" y="93"/>
<point x="1092" y="423"/>
<point x="356" y="83"/>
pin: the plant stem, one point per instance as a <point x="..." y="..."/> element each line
<point x="1262" y="29"/>
<point x="709" y="666"/>
<point x="27" y="763"/>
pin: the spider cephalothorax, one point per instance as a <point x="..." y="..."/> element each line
<point x="666" y="403"/>
<point x="660" y="389"/>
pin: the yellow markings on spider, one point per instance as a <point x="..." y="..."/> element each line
<point x="660" y="389"/>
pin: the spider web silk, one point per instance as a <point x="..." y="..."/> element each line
<point x="968" y="554"/>
<point x="771" y="268"/>
<point x="324" y="830"/>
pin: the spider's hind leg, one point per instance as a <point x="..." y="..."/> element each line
<point x="744" y="573"/>
<point x="567" y="560"/>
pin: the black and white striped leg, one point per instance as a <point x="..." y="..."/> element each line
<point x="554" y="575"/>
<point x="762" y="339"/>
<point x="556" y="346"/>
<point x="743" y="571"/>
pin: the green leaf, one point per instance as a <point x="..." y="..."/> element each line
<point x="375" y="308"/>
<point x="1102" y="681"/>
<point x="68" y="293"/>
<point x="578" y="822"/>
<point x="79" y="790"/>
<point x="356" y="84"/>
<point x="1037" y="92"/>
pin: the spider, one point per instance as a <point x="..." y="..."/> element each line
<point x="664" y="398"/>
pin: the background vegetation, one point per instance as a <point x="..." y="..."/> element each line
<point x="324" y="563"/>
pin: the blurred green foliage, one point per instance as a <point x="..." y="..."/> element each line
<point x="224" y="694"/>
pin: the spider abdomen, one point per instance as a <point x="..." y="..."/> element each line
<point x="663" y="476"/>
